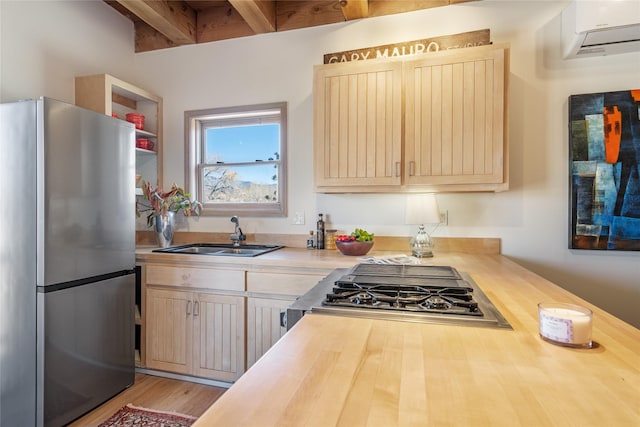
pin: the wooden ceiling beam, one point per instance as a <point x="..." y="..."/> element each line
<point x="260" y="15"/>
<point x="221" y="22"/>
<point x="355" y="9"/>
<point x="176" y="20"/>
<point x="292" y="15"/>
<point x="147" y="38"/>
<point x="391" y="7"/>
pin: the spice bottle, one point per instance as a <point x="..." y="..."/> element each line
<point x="320" y="232"/>
<point x="310" y="241"/>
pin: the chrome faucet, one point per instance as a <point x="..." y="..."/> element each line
<point x="237" y="235"/>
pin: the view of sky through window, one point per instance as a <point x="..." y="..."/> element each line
<point x="239" y="144"/>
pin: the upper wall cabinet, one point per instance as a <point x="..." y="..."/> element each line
<point x="455" y="120"/>
<point x="358" y="125"/>
<point x="108" y="95"/>
<point x="453" y="136"/>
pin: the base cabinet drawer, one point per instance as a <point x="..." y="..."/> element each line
<point x="194" y="277"/>
<point x="281" y="284"/>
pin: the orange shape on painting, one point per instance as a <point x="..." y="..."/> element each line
<point x="635" y="94"/>
<point x="612" y="133"/>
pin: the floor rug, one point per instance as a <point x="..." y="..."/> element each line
<point x="142" y="417"/>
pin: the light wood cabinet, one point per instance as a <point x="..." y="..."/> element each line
<point x="264" y="325"/>
<point x="169" y="322"/>
<point x="448" y="132"/>
<point x="357" y="124"/>
<point x="192" y="327"/>
<point x="215" y="322"/>
<point x="111" y="96"/>
<point x="455" y="120"/>
<point x="219" y="336"/>
<point x="269" y="294"/>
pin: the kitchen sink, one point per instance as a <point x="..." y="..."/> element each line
<point x="220" y="249"/>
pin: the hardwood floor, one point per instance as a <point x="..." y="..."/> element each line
<point x="156" y="393"/>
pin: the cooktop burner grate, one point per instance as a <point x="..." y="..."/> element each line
<point x="425" y="298"/>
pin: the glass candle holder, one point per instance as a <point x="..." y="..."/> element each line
<point x="565" y="324"/>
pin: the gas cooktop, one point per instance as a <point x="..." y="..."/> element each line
<point x="428" y="294"/>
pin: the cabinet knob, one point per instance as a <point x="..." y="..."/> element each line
<point x="188" y="307"/>
<point x="412" y="166"/>
<point x="196" y="308"/>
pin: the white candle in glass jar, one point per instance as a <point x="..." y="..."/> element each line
<point x="565" y="323"/>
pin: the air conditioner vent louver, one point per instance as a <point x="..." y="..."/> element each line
<point x="601" y="27"/>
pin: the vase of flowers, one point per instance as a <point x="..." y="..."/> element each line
<point x="164" y="225"/>
<point x="162" y="207"/>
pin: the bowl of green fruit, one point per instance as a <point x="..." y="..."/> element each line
<point x="357" y="243"/>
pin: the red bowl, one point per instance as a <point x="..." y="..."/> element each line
<point x="354" y="248"/>
<point x="144" y="143"/>
<point x="136" y="119"/>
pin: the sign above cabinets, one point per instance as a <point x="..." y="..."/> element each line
<point x="415" y="47"/>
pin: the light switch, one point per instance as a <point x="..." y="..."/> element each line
<point x="444" y="218"/>
<point x="298" y="218"/>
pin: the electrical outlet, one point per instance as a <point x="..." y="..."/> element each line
<point x="298" y="218"/>
<point x="444" y="218"/>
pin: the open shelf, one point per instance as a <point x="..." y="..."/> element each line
<point x="108" y="95"/>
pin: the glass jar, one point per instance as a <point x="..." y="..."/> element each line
<point x="330" y="238"/>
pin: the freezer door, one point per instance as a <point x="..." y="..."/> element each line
<point x="85" y="347"/>
<point x="17" y="264"/>
<point x="88" y="202"/>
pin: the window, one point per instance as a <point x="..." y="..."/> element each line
<point x="236" y="159"/>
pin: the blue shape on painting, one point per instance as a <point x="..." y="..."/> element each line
<point x="595" y="136"/>
<point x="625" y="233"/>
<point x="631" y="198"/>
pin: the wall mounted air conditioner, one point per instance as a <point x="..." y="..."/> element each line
<point x="600" y="27"/>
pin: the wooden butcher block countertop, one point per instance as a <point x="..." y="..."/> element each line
<point x="339" y="371"/>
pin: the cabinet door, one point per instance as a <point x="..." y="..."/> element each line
<point x="455" y="118"/>
<point x="169" y="328"/>
<point x="263" y="325"/>
<point x="219" y="336"/>
<point x="357" y="125"/>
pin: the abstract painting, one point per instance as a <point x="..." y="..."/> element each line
<point x="604" y="154"/>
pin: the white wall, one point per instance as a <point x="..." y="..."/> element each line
<point x="45" y="44"/>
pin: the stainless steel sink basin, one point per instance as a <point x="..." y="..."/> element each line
<point x="220" y="249"/>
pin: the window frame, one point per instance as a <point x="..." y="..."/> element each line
<point x="194" y="121"/>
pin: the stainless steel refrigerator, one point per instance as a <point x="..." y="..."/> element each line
<point x="67" y="259"/>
